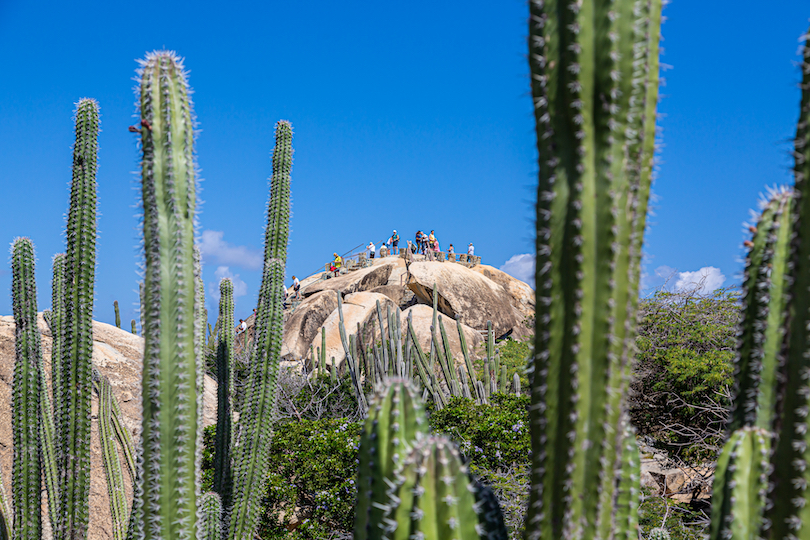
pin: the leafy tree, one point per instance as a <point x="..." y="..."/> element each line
<point x="683" y="375"/>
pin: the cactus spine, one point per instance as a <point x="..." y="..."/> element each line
<point x="587" y="59"/>
<point x="171" y="405"/>
<point x="73" y="426"/>
<point x="250" y="456"/>
<point x="225" y="430"/>
<point x="210" y="520"/>
<point x="26" y="395"/>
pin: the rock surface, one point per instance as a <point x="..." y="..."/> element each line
<point x="360" y="280"/>
<point x="475" y="294"/>
<point x="118" y="354"/>
<point x="465" y="294"/>
<point x="304" y="325"/>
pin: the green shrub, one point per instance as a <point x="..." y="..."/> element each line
<point x="312" y="468"/>
<point x="491" y="437"/>
<point x="679" y="519"/>
<point x="683" y="375"/>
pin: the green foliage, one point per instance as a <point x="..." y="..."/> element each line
<point x="513" y="354"/>
<point x="492" y="437"/>
<point x="312" y="466"/>
<point x="680" y="520"/>
<point x="684" y="369"/>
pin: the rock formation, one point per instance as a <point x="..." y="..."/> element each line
<point x="473" y="295"/>
<point x="118" y="354"/>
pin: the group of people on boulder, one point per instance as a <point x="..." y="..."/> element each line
<point x="428" y="245"/>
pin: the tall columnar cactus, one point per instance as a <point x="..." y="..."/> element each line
<point x="73" y="426"/>
<point x="251" y="452"/>
<point x="395" y="421"/>
<point x="210" y="517"/>
<point x="57" y="333"/>
<point x="225" y="431"/>
<point x="594" y="86"/>
<point x="119" y="513"/>
<point x="789" y="514"/>
<point x="171" y="408"/>
<point x="25" y="399"/>
<point x="433" y="498"/>
<point x="764" y="302"/>
<point x="117" y="314"/>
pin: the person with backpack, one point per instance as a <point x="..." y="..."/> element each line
<point x="394" y="243"/>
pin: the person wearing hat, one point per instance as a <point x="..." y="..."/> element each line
<point x="471" y="250"/>
<point x="394" y="243"/>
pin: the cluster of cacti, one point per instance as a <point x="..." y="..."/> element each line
<point x="437" y="374"/>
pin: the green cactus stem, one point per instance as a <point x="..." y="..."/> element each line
<point x="659" y="533"/>
<point x="586" y="60"/>
<point x="117" y="314"/>
<point x="251" y="454"/>
<point x="210" y="517"/>
<point x="433" y="498"/>
<point x="223" y="442"/>
<point x="171" y="404"/>
<point x="762" y="328"/>
<point x="741" y="485"/>
<point x="788" y="500"/>
<point x="119" y="513"/>
<point x="351" y="362"/>
<point x="25" y="398"/>
<point x="395" y="421"/>
<point x="47" y="435"/>
<point x="73" y="428"/>
<point x="134" y="327"/>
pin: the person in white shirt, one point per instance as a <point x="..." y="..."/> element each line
<point x="372" y="250"/>
<point x="296" y="287"/>
<point x="242" y="327"/>
<point x="471" y="250"/>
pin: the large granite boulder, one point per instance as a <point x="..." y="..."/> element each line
<point x="304" y="325"/>
<point x="359" y="280"/>
<point x="465" y="294"/>
<point x="357" y="308"/>
<point x="520" y="294"/>
<point x="118" y="354"/>
<point x="422" y="319"/>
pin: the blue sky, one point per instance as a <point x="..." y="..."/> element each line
<point x="407" y="116"/>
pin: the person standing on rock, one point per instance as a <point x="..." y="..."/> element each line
<point x="296" y="288"/>
<point x="471" y="250"/>
<point x="450" y="250"/>
<point x="336" y="264"/>
<point x="372" y="250"/>
<point x="394" y="243"/>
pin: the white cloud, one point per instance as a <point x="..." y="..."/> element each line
<point x="239" y="286"/>
<point x="705" y="280"/>
<point x="212" y="246"/>
<point x="520" y="267"/>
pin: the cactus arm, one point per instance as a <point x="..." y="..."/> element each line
<point x="250" y="456"/>
<point x="790" y="472"/>
<point x="740" y="486"/>
<point x="119" y="513"/>
<point x="25" y="399"/>
<point x="395" y="421"/>
<point x="58" y="338"/>
<point x="76" y="365"/>
<point x="170" y="404"/>
<point x="210" y="516"/>
<point x="467" y="361"/>
<point x="47" y="437"/>
<point x="386" y="360"/>
<point x="225" y="373"/>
